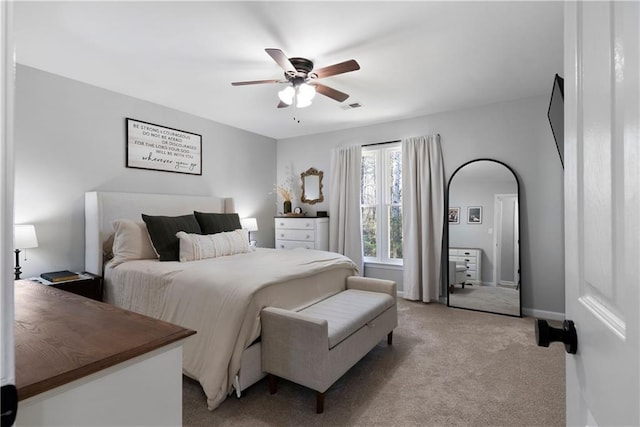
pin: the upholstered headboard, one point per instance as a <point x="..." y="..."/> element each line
<point x="101" y="208"/>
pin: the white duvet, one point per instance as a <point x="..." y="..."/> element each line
<point x="221" y="299"/>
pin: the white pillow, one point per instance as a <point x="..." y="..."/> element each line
<point x="131" y="241"/>
<point x="200" y="246"/>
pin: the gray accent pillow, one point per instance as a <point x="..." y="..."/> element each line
<point x="212" y="223"/>
<point x="163" y="229"/>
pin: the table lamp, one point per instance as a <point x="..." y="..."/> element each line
<point x="249" y="224"/>
<point x="24" y="237"/>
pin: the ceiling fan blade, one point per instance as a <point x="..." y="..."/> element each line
<point x="332" y="70"/>
<point x="330" y="92"/>
<point x="282" y="105"/>
<point x="255" y="82"/>
<point x="281" y="59"/>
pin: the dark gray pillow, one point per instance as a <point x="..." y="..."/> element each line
<point x="212" y="223"/>
<point x="163" y="229"/>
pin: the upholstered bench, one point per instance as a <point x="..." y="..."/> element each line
<point x="316" y="345"/>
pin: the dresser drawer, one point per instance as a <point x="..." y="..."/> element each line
<point x="466" y="252"/>
<point x="295" y="234"/>
<point x="294" y="223"/>
<point x="293" y="244"/>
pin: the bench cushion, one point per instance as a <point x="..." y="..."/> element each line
<point x="348" y="311"/>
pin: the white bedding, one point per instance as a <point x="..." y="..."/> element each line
<point x="221" y="299"/>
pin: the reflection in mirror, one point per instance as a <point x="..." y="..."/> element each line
<point x="312" y="186"/>
<point x="483" y="238"/>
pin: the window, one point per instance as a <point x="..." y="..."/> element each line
<point x="381" y="203"/>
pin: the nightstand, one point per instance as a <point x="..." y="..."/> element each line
<point x="88" y="285"/>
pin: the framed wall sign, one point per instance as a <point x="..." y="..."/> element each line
<point x="160" y="148"/>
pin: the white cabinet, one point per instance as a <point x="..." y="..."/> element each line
<point x="471" y="258"/>
<point x="302" y="232"/>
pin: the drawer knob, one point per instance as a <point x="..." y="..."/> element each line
<point x="281" y="234"/>
<point x="467" y="253"/>
<point x="308" y="237"/>
<point x="281" y="246"/>
<point x="282" y="224"/>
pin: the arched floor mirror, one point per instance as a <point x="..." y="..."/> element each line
<point x="483" y="238"/>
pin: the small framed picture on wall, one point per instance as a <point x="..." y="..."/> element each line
<point x="474" y="215"/>
<point x="454" y="216"/>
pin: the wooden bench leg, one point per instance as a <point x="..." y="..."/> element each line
<point x="273" y="384"/>
<point x="319" y="402"/>
<point x="390" y="338"/>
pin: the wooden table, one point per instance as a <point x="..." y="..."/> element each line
<point x="61" y="337"/>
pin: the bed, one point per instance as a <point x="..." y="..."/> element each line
<point x="219" y="297"/>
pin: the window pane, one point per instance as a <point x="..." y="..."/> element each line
<point x="395" y="232"/>
<point x="394" y="171"/>
<point x="369" y="221"/>
<point x="368" y="179"/>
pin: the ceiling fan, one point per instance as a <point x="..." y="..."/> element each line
<point x="302" y="79"/>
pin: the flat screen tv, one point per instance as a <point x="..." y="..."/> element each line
<point x="556" y="115"/>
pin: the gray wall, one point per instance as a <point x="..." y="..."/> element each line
<point x="70" y="138"/>
<point x="516" y="133"/>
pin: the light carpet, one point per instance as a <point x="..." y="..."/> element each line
<point x="447" y="367"/>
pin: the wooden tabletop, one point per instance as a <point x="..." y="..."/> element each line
<point x="61" y="337"/>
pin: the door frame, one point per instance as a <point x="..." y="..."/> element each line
<point x="498" y="203"/>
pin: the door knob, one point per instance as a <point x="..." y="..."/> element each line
<point x="546" y="334"/>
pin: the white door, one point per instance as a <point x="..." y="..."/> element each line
<point x="602" y="211"/>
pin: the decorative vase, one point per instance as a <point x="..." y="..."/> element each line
<point x="287" y="206"/>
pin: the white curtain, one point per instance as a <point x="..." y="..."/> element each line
<point x="423" y="188"/>
<point x="345" y="234"/>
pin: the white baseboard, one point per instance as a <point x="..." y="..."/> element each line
<point x="400" y="294"/>
<point x="542" y="314"/>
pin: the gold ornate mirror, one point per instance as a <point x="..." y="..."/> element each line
<point x="312" y="186"/>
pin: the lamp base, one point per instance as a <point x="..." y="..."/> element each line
<point x="17" y="270"/>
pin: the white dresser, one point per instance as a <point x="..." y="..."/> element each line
<point x="471" y="258"/>
<point x="302" y="232"/>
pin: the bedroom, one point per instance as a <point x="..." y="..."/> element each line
<point x="53" y="171"/>
<point x="96" y="116"/>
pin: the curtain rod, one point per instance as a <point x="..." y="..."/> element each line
<point x="386" y="142"/>
<point x="381" y="143"/>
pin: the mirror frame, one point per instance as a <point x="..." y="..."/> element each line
<point x="446" y="246"/>
<point x="312" y="172"/>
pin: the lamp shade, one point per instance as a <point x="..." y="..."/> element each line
<point x="249" y="224"/>
<point x="24" y="237"/>
<point x="286" y="95"/>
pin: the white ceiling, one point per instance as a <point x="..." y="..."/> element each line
<point x="416" y="58"/>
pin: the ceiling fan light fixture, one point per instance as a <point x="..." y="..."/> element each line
<point x="304" y="94"/>
<point x="306" y="91"/>
<point x="286" y="95"/>
<point x="301" y="102"/>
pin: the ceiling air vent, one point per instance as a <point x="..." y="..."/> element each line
<point x="351" y="106"/>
